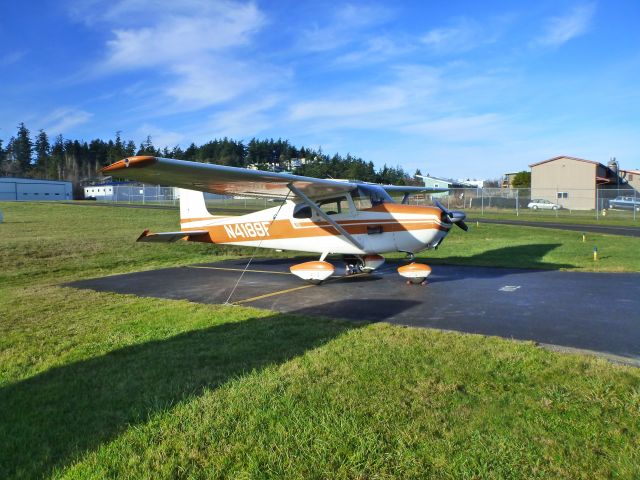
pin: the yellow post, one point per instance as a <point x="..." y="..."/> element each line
<point x="595" y="254"/>
<point x="584" y="238"/>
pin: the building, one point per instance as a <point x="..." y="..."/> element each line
<point x="507" y="180"/>
<point x="435" y="182"/>
<point x="23" y="189"/>
<point x="471" y="183"/>
<point x="132" y="192"/>
<point x="579" y="184"/>
<point x="631" y="178"/>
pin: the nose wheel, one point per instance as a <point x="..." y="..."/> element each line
<point x="415" y="273"/>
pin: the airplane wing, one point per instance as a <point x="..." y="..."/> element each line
<point x="223" y="180"/>
<point x="391" y="189"/>
<point x="220" y="179"/>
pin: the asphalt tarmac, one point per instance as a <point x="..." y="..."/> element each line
<point x="606" y="229"/>
<point x="599" y="312"/>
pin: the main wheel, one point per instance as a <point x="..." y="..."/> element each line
<point x="535" y="207"/>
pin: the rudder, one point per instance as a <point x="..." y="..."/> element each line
<point x="192" y="205"/>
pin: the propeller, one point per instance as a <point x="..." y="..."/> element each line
<point x="453" y="216"/>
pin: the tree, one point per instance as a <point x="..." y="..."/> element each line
<point x="43" y="153"/>
<point x="57" y="158"/>
<point x="522" y="180"/>
<point x="22" y="149"/>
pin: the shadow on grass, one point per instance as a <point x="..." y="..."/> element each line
<point x="519" y="256"/>
<point x="50" y="419"/>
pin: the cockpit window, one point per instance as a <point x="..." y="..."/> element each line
<point x="334" y="206"/>
<point x="368" y="196"/>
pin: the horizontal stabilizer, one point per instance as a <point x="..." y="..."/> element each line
<point x="170" y="236"/>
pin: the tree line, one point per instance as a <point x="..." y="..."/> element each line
<point x="80" y="161"/>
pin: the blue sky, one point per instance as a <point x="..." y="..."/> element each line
<point x="460" y="89"/>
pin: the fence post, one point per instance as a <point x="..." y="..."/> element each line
<point x="482" y="202"/>
<point x="517" y="202"/>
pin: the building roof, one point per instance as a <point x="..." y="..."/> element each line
<point x="565" y="156"/>
<point x="629" y="170"/>
<point x="30" y="180"/>
<point x="435" y="178"/>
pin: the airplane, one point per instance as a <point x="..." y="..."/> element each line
<point x="359" y="221"/>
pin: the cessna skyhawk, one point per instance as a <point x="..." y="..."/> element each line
<point x="359" y="221"/>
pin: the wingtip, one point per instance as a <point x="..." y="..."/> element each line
<point x="143" y="235"/>
<point x="129" y="162"/>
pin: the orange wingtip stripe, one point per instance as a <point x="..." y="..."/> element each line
<point x="130" y="162"/>
<point x="414" y="267"/>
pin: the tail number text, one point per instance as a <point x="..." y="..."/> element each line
<point x="247" y="230"/>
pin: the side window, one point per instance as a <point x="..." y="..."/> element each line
<point x="302" y="211"/>
<point x="334" y="206"/>
<point x="362" y="203"/>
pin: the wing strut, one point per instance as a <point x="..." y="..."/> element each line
<point x="320" y="212"/>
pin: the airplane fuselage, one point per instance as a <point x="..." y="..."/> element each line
<point x="388" y="227"/>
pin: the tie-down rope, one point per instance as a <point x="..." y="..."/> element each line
<point x="256" y="249"/>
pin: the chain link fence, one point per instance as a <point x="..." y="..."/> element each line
<point x="482" y="202"/>
<point x="574" y="203"/>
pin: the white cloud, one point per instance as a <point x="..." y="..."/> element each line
<point x="63" y="119"/>
<point x="187" y="36"/>
<point x="375" y="50"/>
<point x="12" y="57"/>
<point x="345" y="25"/>
<point x="192" y="48"/>
<point x="240" y="121"/>
<point x="462" y="36"/>
<point x="377" y="100"/>
<point x="465" y="128"/>
<point x="160" y="137"/>
<point x="560" y="30"/>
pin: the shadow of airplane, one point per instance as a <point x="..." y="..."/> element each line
<point x="49" y="420"/>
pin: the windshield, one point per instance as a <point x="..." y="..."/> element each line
<point x="367" y="196"/>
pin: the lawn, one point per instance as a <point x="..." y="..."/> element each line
<point x="617" y="218"/>
<point x="96" y="385"/>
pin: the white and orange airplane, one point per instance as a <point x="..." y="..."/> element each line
<point x="359" y="221"/>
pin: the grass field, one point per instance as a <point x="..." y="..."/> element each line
<point x="96" y="385"/>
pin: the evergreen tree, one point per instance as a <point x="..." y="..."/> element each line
<point x="22" y="149"/>
<point x="130" y="149"/>
<point x="43" y="153"/>
<point x="57" y="158"/>
<point x="147" y="148"/>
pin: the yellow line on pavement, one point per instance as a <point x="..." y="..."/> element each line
<point x="289" y="290"/>
<point x="279" y="292"/>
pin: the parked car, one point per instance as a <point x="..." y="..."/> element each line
<point x="625" y="203"/>
<point x="542" y="204"/>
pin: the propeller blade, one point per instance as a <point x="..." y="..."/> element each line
<point x="454" y="216"/>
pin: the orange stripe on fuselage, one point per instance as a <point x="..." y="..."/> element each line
<point x="283" y="229"/>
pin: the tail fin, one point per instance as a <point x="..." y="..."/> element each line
<point x="192" y="206"/>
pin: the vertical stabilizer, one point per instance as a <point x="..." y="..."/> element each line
<point x="192" y="205"/>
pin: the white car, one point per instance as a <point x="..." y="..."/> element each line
<point x="543" y="205"/>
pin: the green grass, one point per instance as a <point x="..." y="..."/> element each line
<point x="100" y="385"/>
<point x="531" y="247"/>
<point x="614" y="218"/>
